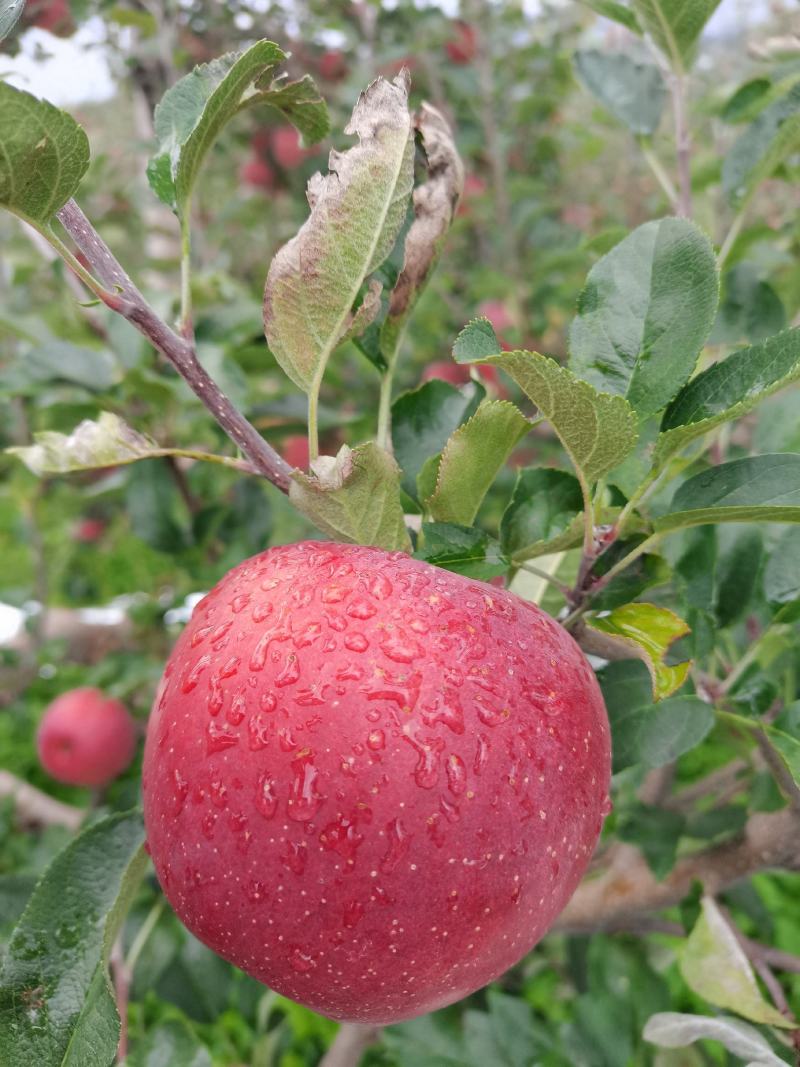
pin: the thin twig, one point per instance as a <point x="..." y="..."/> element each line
<point x="34" y="806"/>
<point x="349" y="1045"/>
<point x="123" y="297"/>
<point x="683" y="143"/>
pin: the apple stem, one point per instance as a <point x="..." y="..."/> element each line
<point x="349" y="1045"/>
<point x="179" y="351"/>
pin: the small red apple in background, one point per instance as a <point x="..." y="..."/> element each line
<point x="89" y="530"/>
<point x="286" y="148"/>
<point x="370" y="783"/>
<point x="446" y="370"/>
<point x="85" y="738"/>
<point x="463" y="46"/>
<point x="332" y="65"/>
<point x="295" y="451"/>
<point x="51" y="15"/>
<point x="473" y="188"/>
<point x="257" y="172"/>
<point x="497" y="313"/>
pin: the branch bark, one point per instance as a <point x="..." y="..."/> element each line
<point x="628" y="888"/>
<point x="35" y="807"/>
<point x="125" y="298"/>
<point x="349" y="1045"/>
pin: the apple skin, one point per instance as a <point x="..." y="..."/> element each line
<point x="258" y="173"/>
<point x="332" y="65"/>
<point x="463" y="46"/>
<point x="89" y="531"/>
<point x="51" y="15"/>
<point x="370" y="783"/>
<point x="286" y="148"/>
<point x="85" y="738"/>
<point x="446" y="370"/>
<point x="295" y="451"/>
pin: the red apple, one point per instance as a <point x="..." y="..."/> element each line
<point x="370" y="783"/>
<point x="295" y="450"/>
<point x="473" y="188"/>
<point x="459" y="374"/>
<point x="463" y="46"/>
<point x="89" y="530"/>
<point x="258" y="173"/>
<point x="446" y="370"/>
<point x="85" y="738"/>
<point x="51" y="15"/>
<point x="286" y="148"/>
<point x="497" y="313"/>
<point x="332" y="65"/>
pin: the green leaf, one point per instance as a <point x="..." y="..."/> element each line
<point x="675" y="26"/>
<point x="314" y="280"/>
<point x="782" y="570"/>
<point x="788" y="748"/>
<point x="298" y="101"/>
<point x="727" y="390"/>
<point x="423" y="419"/>
<point x="633" y="92"/>
<point x="671" y="1029"/>
<point x="354" y="497"/>
<point x="766" y="143"/>
<point x="656" y="832"/>
<point x="10" y="11"/>
<point x="751" y="310"/>
<point x="648" y="631"/>
<point x="715" y="966"/>
<point x="477" y="341"/>
<point x="435" y="202"/>
<point x="645" y="733"/>
<point x="192" y="113"/>
<point x="756" y="489"/>
<point x="93" y="368"/>
<point x="737" y="571"/>
<point x="44" y="154"/>
<point x="546" y="508"/>
<point x="472" y="458"/>
<point x="170" y="1044"/>
<point x="644" y="572"/>
<point x="745" y="103"/>
<point x="597" y="430"/>
<point x="463" y="549"/>
<point x="56" y="1003"/>
<point x="645" y="313"/>
<point x="610" y="9"/>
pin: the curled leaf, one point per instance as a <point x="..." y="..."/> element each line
<point x="354" y="496"/>
<point x="672" y="1029"/>
<point x="435" y="202"/>
<point x="357" y="211"/>
<point x="646" y="631"/>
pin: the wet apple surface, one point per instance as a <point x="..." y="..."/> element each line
<point x="370" y="783"/>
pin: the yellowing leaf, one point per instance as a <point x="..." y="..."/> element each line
<point x="715" y="966"/>
<point x="648" y="630"/>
